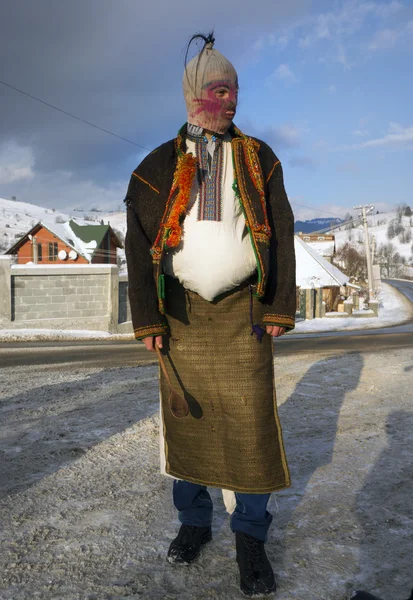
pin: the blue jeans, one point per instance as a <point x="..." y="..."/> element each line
<point x="195" y="508"/>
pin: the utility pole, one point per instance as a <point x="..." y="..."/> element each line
<point x="365" y="210"/>
<point x="373" y="248"/>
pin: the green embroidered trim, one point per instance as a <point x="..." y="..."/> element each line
<point x="235" y="187"/>
<point x="162" y="286"/>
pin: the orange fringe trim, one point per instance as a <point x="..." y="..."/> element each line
<point x="184" y="177"/>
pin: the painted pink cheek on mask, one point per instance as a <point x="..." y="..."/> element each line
<point x="213" y="107"/>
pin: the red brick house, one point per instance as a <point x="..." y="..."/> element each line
<point x="67" y="243"/>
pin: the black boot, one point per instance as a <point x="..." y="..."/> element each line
<point x="257" y="576"/>
<point x="185" y="548"/>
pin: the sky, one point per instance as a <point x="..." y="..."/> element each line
<point x="328" y="84"/>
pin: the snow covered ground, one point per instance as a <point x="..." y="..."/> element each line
<point x="86" y="515"/>
<point x="394" y="308"/>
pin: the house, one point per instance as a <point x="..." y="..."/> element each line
<point x="313" y="271"/>
<point x="70" y="242"/>
<point x="324" y="244"/>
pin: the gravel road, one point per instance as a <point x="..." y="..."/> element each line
<point x="86" y="516"/>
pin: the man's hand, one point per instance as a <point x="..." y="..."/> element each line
<point x="275" y="331"/>
<point x="149" y="342"/>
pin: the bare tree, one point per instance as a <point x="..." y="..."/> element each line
<point x="390" y="260"/>
<point x="400" y="210"/>
<point x="390" y="231"/>
<point x="406" y="236"/>
<point x="394" y="228"/>
<point x="354" y="261"/>
<point x="348" y="220"/>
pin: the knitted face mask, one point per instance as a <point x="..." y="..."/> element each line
<point x="211" y="91"/>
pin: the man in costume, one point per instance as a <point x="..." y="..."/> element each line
<point x="210" y="252"/>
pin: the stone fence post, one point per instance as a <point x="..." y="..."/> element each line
<point x="5" y="288"/>
<point x="310" y="303"/>
<point x="374" y="306"/>
<point x="113" y="302"/>
<point x="348" y="306"/>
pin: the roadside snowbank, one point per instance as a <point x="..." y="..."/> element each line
<point x="394" y="309"/>
<point x="59" y="335"/>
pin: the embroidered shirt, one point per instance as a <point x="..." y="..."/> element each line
<point x="215" y="254"/>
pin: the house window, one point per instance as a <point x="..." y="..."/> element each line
<point x="53" y="250"/>
<point x="39" y="253"/>
<point x="321" y="238"/>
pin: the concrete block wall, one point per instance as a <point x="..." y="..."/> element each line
<point x="59" y="296"/>
<point x="68" y="297"/>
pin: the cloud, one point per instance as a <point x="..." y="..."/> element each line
<point x="120" y="68"/>
<point x="331" y="89"/>
<point x="282" y="137"/>
<point x="334" y="30"/>
<point x="348" y="167"/>
<point x="384" y="11"/>
<point x="281" y="73"/>
<point x="286" y="136"/>
<point x="279" y="41"/>
<point x="384" y="39"/>
<point x="306" y="213"/>
<point x="360" y="132"/>
<point x="65" y="189"/>
<point x="305" y="162"/>
<point x="20" y="178"/>
<point x="396" y="137"/>
<point x="321" y="145"/>
<point x="16" y="163"/>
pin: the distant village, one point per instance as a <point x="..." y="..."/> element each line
<point x="333" y="278"/>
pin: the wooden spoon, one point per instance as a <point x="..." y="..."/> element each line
<point x="177" y="403"/>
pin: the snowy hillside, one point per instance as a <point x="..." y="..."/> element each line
<point x="16" y="218"/>
<point x="378" y="231"/>
<point x="117" y="220"/>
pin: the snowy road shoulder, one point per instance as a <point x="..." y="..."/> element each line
<point x="86" y="513"/>
<point x="394" y="308"/>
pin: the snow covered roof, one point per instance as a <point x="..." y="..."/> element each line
<point x="313" y="270"/>
<point x="325" y="248"/>
<point x="84" y="239"/>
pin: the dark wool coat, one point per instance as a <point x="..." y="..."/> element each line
<point x="156" y="195"/>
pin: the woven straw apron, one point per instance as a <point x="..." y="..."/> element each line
<point x="232" y="437"/>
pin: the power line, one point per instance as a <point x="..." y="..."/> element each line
<point x="65" y="112"/>
<point x="115" y="134"/>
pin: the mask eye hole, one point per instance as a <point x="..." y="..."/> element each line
<point x="221" y="92"/>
